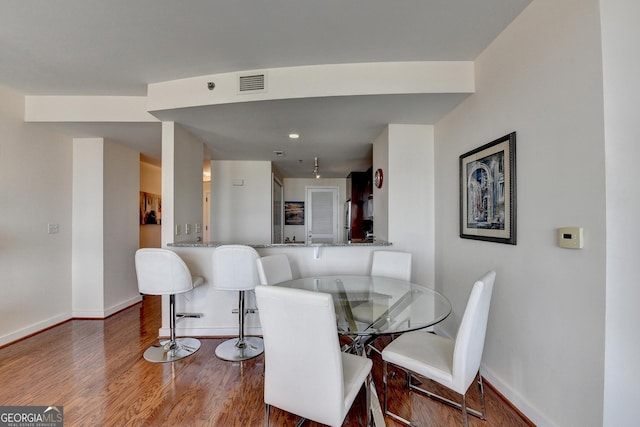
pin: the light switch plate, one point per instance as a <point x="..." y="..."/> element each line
<point x="570" y="237"/>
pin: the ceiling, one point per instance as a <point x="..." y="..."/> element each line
<point x="118" y="47"/>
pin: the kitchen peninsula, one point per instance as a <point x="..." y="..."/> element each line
<point x="217" y="306"/>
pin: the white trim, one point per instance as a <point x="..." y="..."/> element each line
<point x="516" y="400"/>
<point x="34" y="329"/>
<point x="102" y="314"/>
<point x="121" y="306"/>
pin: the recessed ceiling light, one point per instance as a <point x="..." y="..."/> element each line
<point x="294" y="135"/>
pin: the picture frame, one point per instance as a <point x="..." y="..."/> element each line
<point x="488" y="192"/>
<point x="150" y="209"/>
<point x="293" y="213"/>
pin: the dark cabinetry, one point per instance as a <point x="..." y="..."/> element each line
<point x="360" y="205"/>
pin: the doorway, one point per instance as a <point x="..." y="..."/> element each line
<point x="321" y="223"/>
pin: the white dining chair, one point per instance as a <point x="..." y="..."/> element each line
<point x="234" y="269"/>
<point x="274" y="269"/>
<point x="163" y="272"/>
<point x="453" y="363"/>
<point x="391" y="264"/>
<point x="305" y="371"/>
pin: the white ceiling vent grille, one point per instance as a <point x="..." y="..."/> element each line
<point x="252" y="83"/>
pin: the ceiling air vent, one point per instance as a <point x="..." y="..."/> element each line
<point x="252" y="83"/>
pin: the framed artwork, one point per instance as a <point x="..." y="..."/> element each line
<point x="488" y="192"/>
<point x="293" y="213"/>
<point x="150" y="208"/>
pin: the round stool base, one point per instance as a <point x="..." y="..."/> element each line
<point x="170" y="352"/>
<point x="235" y="351"/>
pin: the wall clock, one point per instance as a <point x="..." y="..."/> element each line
<point x="378" y="178"/>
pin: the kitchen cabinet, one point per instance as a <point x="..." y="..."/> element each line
<point x="359" y="205"/>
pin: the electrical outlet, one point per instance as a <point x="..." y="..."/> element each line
<point x="52" y="228"/>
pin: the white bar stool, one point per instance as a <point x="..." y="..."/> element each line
<point x="235" y="269"/>
<point x="163" y="272"/>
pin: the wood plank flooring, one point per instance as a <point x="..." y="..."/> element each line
<point x="95" y="369"/>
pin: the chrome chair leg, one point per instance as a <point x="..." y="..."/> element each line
<point x="463" y="408"/>
<point x="481" y="390"/>
<point x="387" y="412"/>
<point x="367" y="385"/>
<point x="384" y="386"/>
<point x="267" y="410"/>
<point x="413" y="387"/>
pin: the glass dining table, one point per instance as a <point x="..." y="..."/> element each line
<point x="368" y="306"/>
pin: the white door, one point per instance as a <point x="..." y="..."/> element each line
<point x="277" y="215"/>
<point x="321" y="222"/>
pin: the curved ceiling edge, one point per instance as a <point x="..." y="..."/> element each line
<point x="377" y="78"/>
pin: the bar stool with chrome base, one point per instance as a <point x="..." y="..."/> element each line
<point x="235" y="269"/>
<point x="163" y="272"/>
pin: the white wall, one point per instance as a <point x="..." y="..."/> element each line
<point x="240" y="201"/>
<point x="620" y="35"/>
<point x="35" y="190"/>
<point x="409" y="179"/>
<point x="381" y="195"/>
<point x="105" y="227"/>
<point x="88" y="265"/>
<point x="545" y="341"/>
<point x="150" y="182"/>
<point x="182" y="160"/>
<point x="121" y="229"/>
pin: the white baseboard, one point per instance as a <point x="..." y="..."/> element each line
<point x="516" y="399"/>
<point x="122" y="305"/>
<point x="511" y="395"/>
<point x="35" y="328"/>
<point x="101" y="314"/>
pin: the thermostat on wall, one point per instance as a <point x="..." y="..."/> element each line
<point x="570" y="237"/>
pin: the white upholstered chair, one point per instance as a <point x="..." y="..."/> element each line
<point x="274" y="269"/>
<point x="163" y="272"/>
<point x="452" y="363"/>
<point x="305" y="371"/>
<point x="391" y="264"/>
<point x="234" y="269"/>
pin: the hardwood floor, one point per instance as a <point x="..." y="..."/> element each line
<point x="95" y="370"/>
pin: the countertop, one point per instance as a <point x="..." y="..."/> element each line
<point x="195" y="244"/>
